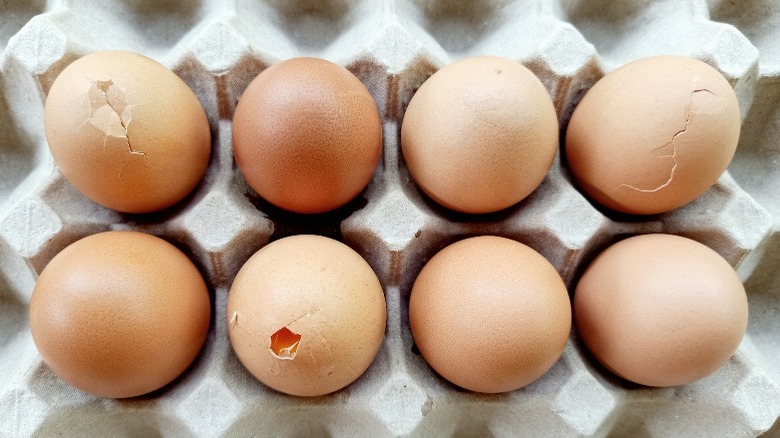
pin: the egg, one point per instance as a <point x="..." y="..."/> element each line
<point x="489" y="314"/>
<point x="306" y="315"/>
<point x="660" y="310"/>
<point x="480" y="134"/>
<point x="127" y="132"/>
<point x="307" y="135"/>
<point x="653" y="135"/>
<point x="119" y="314"/>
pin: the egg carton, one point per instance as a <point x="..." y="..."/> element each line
<point x="219" y="46"/>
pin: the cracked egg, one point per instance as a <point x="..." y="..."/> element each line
<point x="126" y="131"/>
<point x="306" y="315"/>
<point x="653" y="135"/>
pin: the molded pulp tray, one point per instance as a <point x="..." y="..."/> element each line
<point x="218" y="46"/>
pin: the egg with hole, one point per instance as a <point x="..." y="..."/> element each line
<point x="306" y="315"/>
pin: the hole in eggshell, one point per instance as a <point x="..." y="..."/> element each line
<point x="284" y="343"/>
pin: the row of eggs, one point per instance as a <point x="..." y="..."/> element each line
<point x="478" y="136"/>
<point x="122" y="313"/>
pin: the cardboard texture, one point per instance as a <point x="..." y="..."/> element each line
<point x="219" y="46"/>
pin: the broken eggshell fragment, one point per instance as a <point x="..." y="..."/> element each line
<point x="653" y="135"/>
<point x="306" y="315"/>
<point x="126" y="131"/>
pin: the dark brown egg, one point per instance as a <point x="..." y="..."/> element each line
<point x="307" y="135"/>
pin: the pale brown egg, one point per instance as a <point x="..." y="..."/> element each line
<point x="306" y="315"/>
<point x="653" y="135"/>
<point x="119" y="314"/>
<point x="660" y="310"/>
<point x="489" y="314"/>
<point x="307" y="135"/>
<point x="126" y="131"/>
<point x="480" y="134"/>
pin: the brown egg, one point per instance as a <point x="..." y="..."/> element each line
<point x="660" y="310"/>
<point x="489" y="314"/>
<point x="480" y="134"/>
<point x="306" y="315"/>
<point x="653" y="135"/>
<point x="120" y="313"/>
<point x="307" y="135"/>
<point x="126" y="131"/>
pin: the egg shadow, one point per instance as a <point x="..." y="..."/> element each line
<point x="287" y="223"/>
<point x="596" y="368"/>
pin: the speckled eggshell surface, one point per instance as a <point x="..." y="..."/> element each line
<point x="653" y="135"/>
<point x="126" y="131"/>
<point x="489" y="314"/>
<point x="660" y="310"/>
<point x="119" y="314"/>
<point x="480" y="134"/>
<point x="307" y="135"/>
<point x="306" y="315"/>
